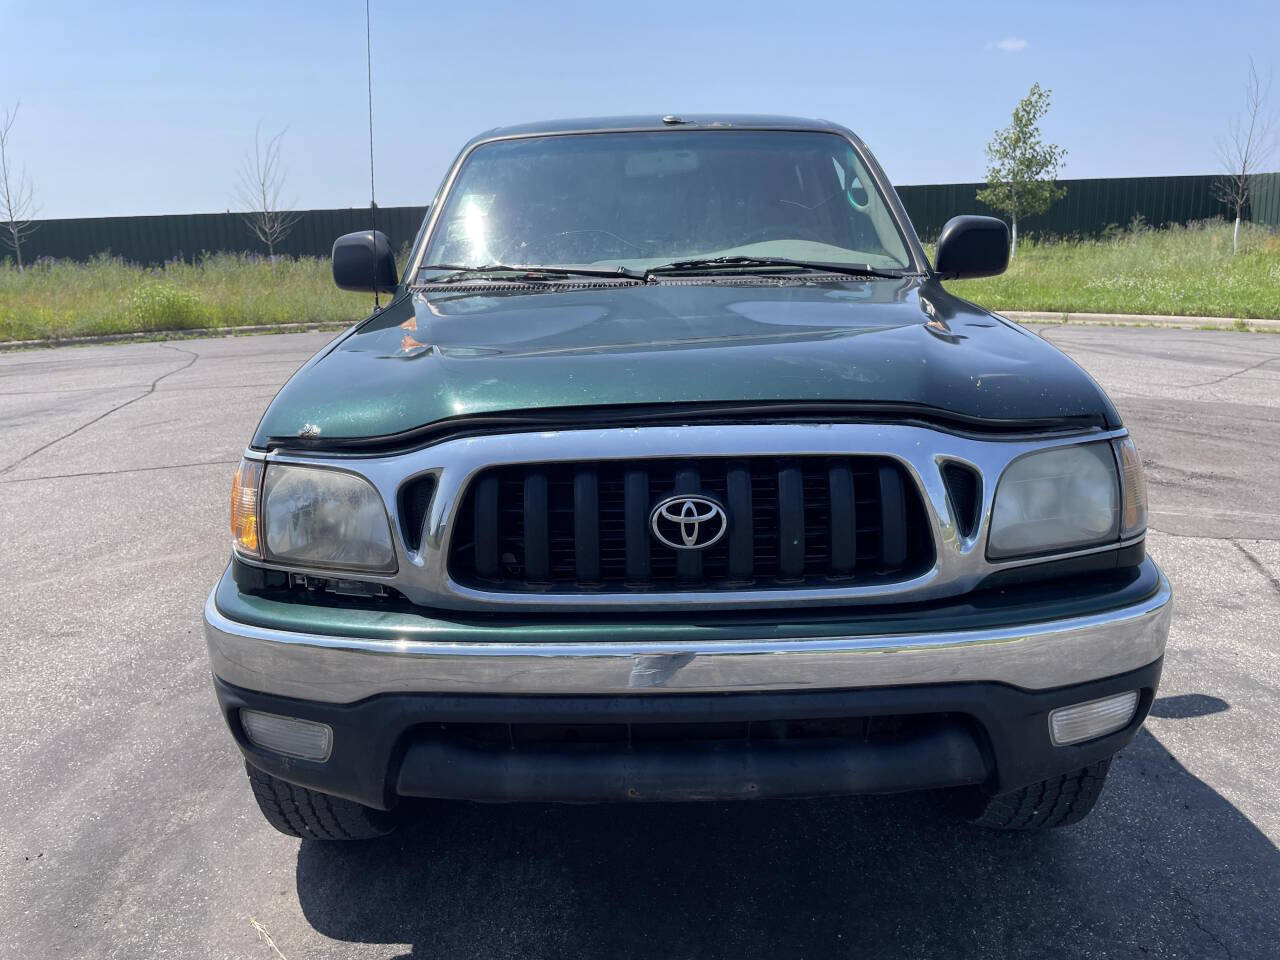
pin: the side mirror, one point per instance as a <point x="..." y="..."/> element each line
<point x="363" y="262"/>
<point x="972" y="246"/>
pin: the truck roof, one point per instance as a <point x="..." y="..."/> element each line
<point x="682" y="121"/>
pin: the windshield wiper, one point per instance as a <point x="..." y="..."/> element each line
<point x="520" y="273"/>
<point x="539" y="274"/>
<point x="854" y="269"/>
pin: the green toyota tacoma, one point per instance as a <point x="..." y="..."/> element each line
<point x="669" y="470"/>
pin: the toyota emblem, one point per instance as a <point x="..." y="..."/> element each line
<point x="688" y="522"/>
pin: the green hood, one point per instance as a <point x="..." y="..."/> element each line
<point x="906" y="343"/>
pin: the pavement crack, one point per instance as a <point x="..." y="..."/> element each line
<point x="1257" y="564"/>
<point x="1152" y="528"/>
<point x="1228" y="376"/>
<point x="1189" y="904"/>
<point x="118" y="407"/>
<point x="111" y="473"/>
<point x="1043" y="333"/>
<point x="1200" y="925"/>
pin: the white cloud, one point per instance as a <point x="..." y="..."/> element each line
<point x="1010" y="45"/>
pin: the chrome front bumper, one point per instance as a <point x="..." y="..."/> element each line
<point x="1033" y="656"/>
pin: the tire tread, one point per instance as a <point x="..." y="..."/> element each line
<point x="1056" y="802"/>
<point x="309" y="814"/>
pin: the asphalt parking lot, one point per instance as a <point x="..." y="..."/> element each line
<point x="129" y="830"/>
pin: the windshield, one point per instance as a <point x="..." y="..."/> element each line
<point x="639" y="200"/>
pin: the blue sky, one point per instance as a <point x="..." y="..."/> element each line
<point x="150" y="108"/>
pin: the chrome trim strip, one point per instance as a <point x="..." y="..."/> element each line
<point x="960" y="562"/>
<point x="1033" y="656"/>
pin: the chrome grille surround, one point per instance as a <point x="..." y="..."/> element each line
<point x="960" y="562"/>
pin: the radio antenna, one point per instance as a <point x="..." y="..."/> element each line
<point x="373" y="204"/>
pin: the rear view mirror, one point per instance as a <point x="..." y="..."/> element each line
<point x="972" y="246"/>
<point x="363" y="262"/>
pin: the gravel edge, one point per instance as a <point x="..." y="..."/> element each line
<point x="193" y="334"/>
<point x="1143" y="320"/>
<point x="1018" y="316"/>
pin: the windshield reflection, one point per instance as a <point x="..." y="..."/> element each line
<point x="637" y="200"/>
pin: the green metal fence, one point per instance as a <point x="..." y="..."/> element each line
<point x="1087" y="209"/>
<point x="187" y="236"/>
<point x="1090" y="206"/>
<point x="1265" y="202"/>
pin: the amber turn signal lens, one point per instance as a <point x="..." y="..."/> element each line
<point x="244" y="508"/>
<point x="1134" y="486"/>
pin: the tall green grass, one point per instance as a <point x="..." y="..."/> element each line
<point x="60" y="298"/>
<point x="1178" y="270"/>
<point x="1183" y="271"/>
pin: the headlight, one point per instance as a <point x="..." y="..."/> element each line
<point x="323" y="518"/>
<point x="1059" y="499"/>
<point x="311" y="517"/>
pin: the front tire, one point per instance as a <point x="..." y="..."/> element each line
<point x="1056" y="802"/>
<point x="298" y="812"/>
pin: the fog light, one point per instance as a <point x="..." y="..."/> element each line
<point x="1084" y="721"/>
<point x="287" y="735"/>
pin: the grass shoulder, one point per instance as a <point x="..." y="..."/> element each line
<point x="1180" y="271"/>
<point x="65" y="299"/>
<point x="1177" y="271"/>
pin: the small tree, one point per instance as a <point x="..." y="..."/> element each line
<point x="1244" y="150"/>
<point x="261" y="180"/>
<point x="17" y="197"/>
<point x="1021" y="169"/>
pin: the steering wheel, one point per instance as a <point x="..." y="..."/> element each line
<point x="856" y="187"/>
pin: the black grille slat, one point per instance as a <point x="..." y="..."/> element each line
<point x="586" y="525"/>
<point x="844" y="526"/>
<point x="537" y="534"/>
<point x="893" y="519"/>
<point x="741" y="541"/>
<point x="791" y="531"/>
<point x="635" y="550"/>
<point x="802" y="520"/>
